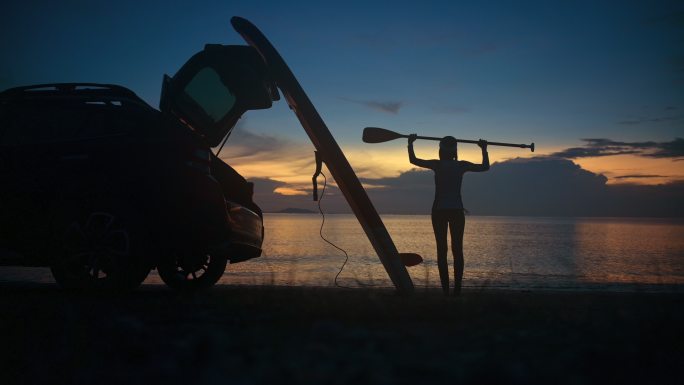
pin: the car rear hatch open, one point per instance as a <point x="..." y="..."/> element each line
<point x="215" y="87"/>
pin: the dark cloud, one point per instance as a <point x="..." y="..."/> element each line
<point x="542" y="187"/>
<point x="673" y="149"/>
<point x="389" y="107"/>
<point x="529" y="187"/>
<point x="243" y="143"/>
<point x="270" y="201"/>
<point x="589" y="152"/>
<point x="264" y="193"/>
<point x="596" y="147"/>
<point x="637" y="176"/>
<point x="603" y="142"/>
<point x="245" y="147"/>
<point x="265" y="187"/>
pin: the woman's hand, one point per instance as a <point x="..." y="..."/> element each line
<point x="482" y="144"/>
<point x="412" y="138"/>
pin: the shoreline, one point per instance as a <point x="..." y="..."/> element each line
<point x="21" y="276"/>
<point x="674" y="219"/>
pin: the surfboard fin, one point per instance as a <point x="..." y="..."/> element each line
<point x="410" y="259"/>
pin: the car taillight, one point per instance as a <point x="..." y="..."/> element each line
<point x="200" y="160"/>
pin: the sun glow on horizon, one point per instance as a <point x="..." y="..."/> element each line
<point x="634" y="169"/>
<point x="294" y="167"/>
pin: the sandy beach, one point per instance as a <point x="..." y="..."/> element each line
<point x="267" y="335"/>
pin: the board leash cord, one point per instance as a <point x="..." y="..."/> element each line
<point x="320" y="232"/>
<point x="346" y="255"/>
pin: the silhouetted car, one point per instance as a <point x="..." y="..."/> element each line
<point x="102" y="187"/>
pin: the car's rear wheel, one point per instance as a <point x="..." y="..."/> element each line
<point x="192" y="272"/>
<point x="100" y="250"/>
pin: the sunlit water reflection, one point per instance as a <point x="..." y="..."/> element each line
<point x="501" y="252"/>
<point x="515" y="252"/>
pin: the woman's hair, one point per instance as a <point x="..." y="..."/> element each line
<point x="448" y="148"/>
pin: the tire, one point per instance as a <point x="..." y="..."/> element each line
<point x="100" y="250"/>
<point x="198" y="272"/>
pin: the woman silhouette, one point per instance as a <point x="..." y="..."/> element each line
<point x="447" y="208"/>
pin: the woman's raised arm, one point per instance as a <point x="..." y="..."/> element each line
<point x="417" y="161"/>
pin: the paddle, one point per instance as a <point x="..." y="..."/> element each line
<point x="381" y="135"/>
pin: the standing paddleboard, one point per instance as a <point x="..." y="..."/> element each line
<point x="331" y="154"/>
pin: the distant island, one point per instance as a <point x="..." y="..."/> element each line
<point x="294" y="210"/>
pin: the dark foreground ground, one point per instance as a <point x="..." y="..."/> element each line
<point x="242" y="335"/>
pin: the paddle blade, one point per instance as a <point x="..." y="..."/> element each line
<point x="379" y="135"/>
<point x="410" y="259"/>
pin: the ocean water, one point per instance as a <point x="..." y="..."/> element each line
<point x="501" y="252"/>
<point x="616" y="254"/>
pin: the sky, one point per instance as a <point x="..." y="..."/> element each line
<point x="596" y="85"/>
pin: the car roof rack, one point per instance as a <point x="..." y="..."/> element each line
<point x="75" y="89"/>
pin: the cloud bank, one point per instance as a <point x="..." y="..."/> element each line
<point x="390" y="107"/>
<point x="596" y="147"/>
<point x="524" y="187"/>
